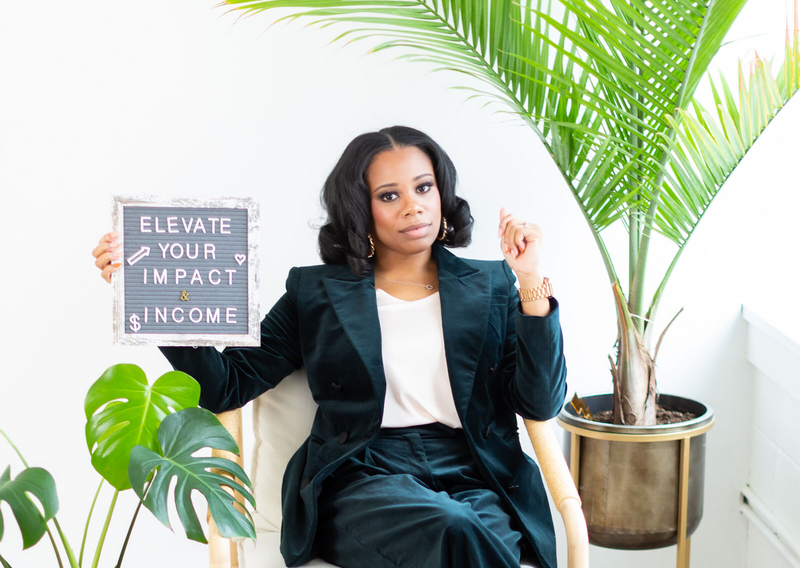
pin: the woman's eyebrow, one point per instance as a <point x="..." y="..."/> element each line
<point x="394" y="184"/>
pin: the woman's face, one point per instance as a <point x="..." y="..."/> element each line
<point x="406" y="208"/>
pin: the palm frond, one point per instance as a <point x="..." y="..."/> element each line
<point x="707" y="148"/>
<point x="607" y="85"/>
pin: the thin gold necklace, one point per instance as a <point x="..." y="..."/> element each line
<point x="426" y="286"/>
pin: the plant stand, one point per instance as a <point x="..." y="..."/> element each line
<point x="680" y="433"/>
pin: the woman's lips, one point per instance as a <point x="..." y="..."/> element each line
<point x="417" y="233"/>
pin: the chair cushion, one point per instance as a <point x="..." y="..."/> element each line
<point x="265" y="553"/>
<point x="282" y="419"/>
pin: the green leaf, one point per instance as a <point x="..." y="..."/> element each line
<point x="716" y="23"/>
<point x="123" y="411"/>
<point x="180" y="435"/>
<point x="39" y="483"/>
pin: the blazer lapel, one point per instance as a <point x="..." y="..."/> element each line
<point x="465" y="295"/>
<point x="354" y="302"/>
<point x="464" y="292"/>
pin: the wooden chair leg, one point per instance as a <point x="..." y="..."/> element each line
<point x="223" y="552"/>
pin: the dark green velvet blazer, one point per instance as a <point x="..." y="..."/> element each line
<point x="501" y="362"/>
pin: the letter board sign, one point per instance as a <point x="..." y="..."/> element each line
<point x="189" y="272"/>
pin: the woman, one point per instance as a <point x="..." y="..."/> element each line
<point x="412" y="354"/>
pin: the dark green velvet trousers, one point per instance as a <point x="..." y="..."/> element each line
<point x="414" y="498"/>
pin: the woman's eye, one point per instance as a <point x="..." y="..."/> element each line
<point x="387" y="196"/>
<point x="428" y="185"/>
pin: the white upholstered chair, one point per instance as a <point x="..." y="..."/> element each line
<point x="282" y="420"/>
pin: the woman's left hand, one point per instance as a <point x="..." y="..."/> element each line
<point x="521" y="244"/>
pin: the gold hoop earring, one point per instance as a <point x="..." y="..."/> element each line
<point x="444" y="230"/>
<point x="371" y="247"/>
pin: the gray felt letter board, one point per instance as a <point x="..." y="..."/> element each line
<point x="189" y="272"/>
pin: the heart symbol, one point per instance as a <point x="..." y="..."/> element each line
<point x="240" y="258"/>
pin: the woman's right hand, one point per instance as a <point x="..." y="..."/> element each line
<point x="108" y="255"/>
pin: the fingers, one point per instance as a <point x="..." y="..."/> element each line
<point x="108" y="255"/>
<point x="505" y="218"/>
<point x="107" y="243"/>
<point x="517" y="235"/>
<point x="513" y="242"/>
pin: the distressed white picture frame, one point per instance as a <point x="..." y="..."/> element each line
<point x="253" y="335"/>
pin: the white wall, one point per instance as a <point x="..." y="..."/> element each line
<point x="775" y="459"/>
<point x="174" y="98"/>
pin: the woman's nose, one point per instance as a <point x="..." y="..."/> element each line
<point x="412" y="206"/>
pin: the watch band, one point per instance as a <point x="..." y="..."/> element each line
<point x="530" y="294"/>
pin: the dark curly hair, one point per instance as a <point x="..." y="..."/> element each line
<point x="346" y="197"/>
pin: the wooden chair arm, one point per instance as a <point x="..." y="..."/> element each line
<point x="222" y="552"/>
<point x="563" y="491"/>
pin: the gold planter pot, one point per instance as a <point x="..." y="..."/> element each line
<point x="641" y="486"/>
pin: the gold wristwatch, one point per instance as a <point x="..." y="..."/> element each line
<point x="530" y="294"/>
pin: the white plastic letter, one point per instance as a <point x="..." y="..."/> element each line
<point x="176" y="320"/>
<point x="143" y="224"/>
<point x="196" y="251"/>
<point x="172" y="250"/>
<point x="179" y="273"/>
<point x="210" y="249"/>
<point x="196" y="276"/>
<point x="213" y="223"/>
<point x="172" y="224"/>
<point x="223" y="226"/>
<point x="230" y="317"/>
<point x="230" y="272"/>
<point x="210" y="279"/>
<point x="162" y="316"/>
<point x="212" y="317"/>
<point x="157" y="231"/>
<point x="163" y="248"/>
<point x="159" y="278"/>
<point x="199" y="315"/>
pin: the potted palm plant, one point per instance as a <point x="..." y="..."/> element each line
<point x="608" y="86"/>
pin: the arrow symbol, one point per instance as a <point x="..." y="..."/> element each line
<point x="139" y="255"/>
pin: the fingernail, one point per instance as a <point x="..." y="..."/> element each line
<point x="117" y="264"/>
<point x="113" y="245"/>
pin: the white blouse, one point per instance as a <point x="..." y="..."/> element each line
<point x="417" y="383"/>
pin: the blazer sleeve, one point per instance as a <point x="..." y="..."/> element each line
<point x="533" y="365"/>
<point x="235" y="376"/>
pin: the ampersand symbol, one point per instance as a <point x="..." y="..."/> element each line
<point x="184" y="296"/>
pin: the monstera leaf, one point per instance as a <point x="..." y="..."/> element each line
<point x="40" y="484"/>
<point x="180" y="435"/>
<point x="123" y="411"/>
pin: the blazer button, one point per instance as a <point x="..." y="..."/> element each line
<point x="512" y="488"/>
<point x="491" y="369"/>
<point x="486" y="431"/>
<point x="337" y="386"/>
<point x="304" y="483"/>
<point x="342" y="437"/>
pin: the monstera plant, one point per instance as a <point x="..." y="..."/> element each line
<point x="608" y="86"/>
<point x="140" y="436"/>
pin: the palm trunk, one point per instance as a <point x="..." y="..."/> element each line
<point x="634" y="373"/>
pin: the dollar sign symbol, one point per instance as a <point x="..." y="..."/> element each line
<point x="135" y="325"/>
